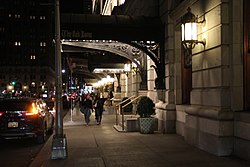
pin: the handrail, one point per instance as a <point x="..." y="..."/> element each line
<point x="122" y="107"/>
<point x="116" y="113"/>
<point x="124" y="101"/>
<point x="131" y="101"/>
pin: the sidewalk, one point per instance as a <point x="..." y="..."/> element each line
<point x="103" y="146"/>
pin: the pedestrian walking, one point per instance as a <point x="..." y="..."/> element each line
<point x="98" y="105"/>
<point x="87" y="108"/>
<point x="65" y="102"/>
<point x="111" y="96"/>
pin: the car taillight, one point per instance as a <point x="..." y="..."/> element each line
<point x="33" y="111"/>
<point x="30" y="113"/>
<point x="1" y="113"/>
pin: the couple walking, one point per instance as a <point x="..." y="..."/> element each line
<point x="88" y="105"/>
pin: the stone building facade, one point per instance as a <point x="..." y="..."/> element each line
<point x="212" y="118"/>
<point x="206" y="102"/>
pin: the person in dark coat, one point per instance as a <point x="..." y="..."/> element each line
<point x="88" y="107"/>
<point x="111" y="97"/>
<point x="98" y="105"/>
<point x="65" y="102"/>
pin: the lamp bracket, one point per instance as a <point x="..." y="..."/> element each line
<point x="203" y="42"/>
<point x="190" y="44"/>
<point x="202" y="21"/>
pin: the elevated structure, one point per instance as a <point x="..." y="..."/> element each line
<point x="124" y="36"/>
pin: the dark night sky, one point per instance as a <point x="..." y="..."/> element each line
<point x="73" y="6"/>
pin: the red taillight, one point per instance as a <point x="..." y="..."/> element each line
<point x="30" y="114"/>
<point x="1" y="113"/>
<point x="33" y="111"/>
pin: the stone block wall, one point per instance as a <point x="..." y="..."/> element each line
<point x="210" y="129"/>
<point x="213" y="133"/>
<point x="242" y="135"/>
<point x="166" y="116"/>
<point x="180" y="119"/>
<point x="207" y="122"/>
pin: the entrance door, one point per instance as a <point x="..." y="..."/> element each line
<point x="246" y="55"/>
<point x="186" y="63"/>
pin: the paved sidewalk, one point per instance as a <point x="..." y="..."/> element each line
<point x="103" y="146"/>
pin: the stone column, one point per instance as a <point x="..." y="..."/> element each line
<point x="166" y="108"/>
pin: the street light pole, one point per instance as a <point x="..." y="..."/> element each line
<point x="59" y="142"/>
<point x="58" y="68"/>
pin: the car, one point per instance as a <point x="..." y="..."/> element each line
<point x="23" y="118"/>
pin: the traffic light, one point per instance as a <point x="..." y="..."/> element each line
<point x="13" y="82"/>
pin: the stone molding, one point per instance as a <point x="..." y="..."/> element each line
<point x="165" y="106"/>
<point x="210" y="112"/>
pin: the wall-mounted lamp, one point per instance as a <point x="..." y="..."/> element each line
<point x="189" y="30"/>
<point x="135" y="67"/>
<point x="127" y="68"/>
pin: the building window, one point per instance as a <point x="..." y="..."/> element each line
<point x="42" y="77"/>
<point x="2" y="43"/>
<point x="17" y="43"/>
<point x="17" y="16"/>
<point x="2" y="29"/>
<point x="42" y="43"/>
<point x="33" y="84"/>
<point x="32" y="77"/>
<point x="32" y="17"/>
<point x="2" y="76"/>
<point x="32" y="3"/>
<point x="3" y="85"/>
<point x="32" y="57"/>
<point x="32" y="50"/>
<point x="42" y="17"/>
<point x="43" y="50"/>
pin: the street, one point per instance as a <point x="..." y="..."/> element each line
<point x="18" y="153"/>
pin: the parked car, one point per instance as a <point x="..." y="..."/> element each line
<point x="22" y="118"/>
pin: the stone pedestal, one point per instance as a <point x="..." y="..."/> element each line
<point x="166" y="115"/>
<point x="210" y="129"/>
<point x="59" y="148"/>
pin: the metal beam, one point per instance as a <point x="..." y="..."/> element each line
<point x="119" y="48"/>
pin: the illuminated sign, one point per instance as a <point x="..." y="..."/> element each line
<point x="75" y="34"/>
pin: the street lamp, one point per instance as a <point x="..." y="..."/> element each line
<point x="59" y="143"/>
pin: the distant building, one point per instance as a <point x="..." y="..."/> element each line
<point x="26" y="46"/>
